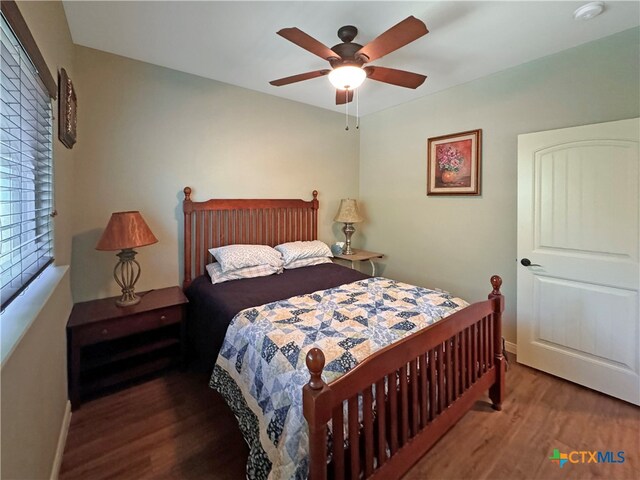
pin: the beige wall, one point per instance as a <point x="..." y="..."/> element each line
<point x="34" y="380"/>
<point x="34" y="392"/>
<point x="458" y="243"/>
<point x="145" y="132"/>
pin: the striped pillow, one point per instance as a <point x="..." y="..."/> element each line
<point x="218" y="276"/>
<point x="307" y="262"/>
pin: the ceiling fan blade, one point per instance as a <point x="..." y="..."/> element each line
<point x="298" y="78"/>
<point x="399" y="35"/>
<point x="297" y="36"/>
<point x="395" y="77"/>
<point x="343" y="96"/>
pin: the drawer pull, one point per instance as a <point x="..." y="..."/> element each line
<point x="163" y="317"/>
<point x="104" y="331"/>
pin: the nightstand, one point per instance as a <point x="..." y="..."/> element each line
<point x="361" y="256"/>
<point x="108" y="345"/>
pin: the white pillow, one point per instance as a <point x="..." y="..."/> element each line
<point x="218" y="276"/>
<point x="293" y="251"/>
<point x="307" y="262"/>
<point x="233" y="257"/>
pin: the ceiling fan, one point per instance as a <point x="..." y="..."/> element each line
<point x="347" y="59"/>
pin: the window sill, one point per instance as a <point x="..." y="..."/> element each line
<point x="18" y="317"/>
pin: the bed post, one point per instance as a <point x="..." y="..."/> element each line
<point x="314" y="222"/>
<point x="316" y="398"/>
<point x="187" y="208"/>
<point x="496" y="392"/>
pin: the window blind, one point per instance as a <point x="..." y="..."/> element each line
<point x="26" y="170"/>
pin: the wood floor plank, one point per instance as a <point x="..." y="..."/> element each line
<point x="177" y="427"/>
<point x="170" y="427"/>
<point x="540" y="413"/>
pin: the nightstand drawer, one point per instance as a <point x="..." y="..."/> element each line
<point x="120" y="327"/>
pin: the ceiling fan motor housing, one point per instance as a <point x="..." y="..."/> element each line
<point x="347" y="55"/>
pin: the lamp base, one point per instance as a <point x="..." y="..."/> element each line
<point x="126" y="300"/>
<point x="348" y="230"/>
<point x="126" y="274"/>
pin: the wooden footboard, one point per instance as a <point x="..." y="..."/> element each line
<point x="402" y="399"/>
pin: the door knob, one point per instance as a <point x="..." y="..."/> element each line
<point x="527" y="263"/>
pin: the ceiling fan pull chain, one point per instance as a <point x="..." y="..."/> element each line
<point x="347" y="110"/>
<point x="357" y="109"/>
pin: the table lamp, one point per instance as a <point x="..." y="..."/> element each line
<point x="348" y="214"/>
<point x="126" y="231"/>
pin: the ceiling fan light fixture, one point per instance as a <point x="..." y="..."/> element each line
<point x="347" y="77"/>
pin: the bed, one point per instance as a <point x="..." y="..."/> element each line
<point x="212" y="307"/>
<point x="378" y="417"/>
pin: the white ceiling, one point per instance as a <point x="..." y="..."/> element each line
<point x="236" y="42"/>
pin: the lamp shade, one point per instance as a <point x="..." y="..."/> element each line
<point x="348" y="77"/>
<point x="348" y="211"/>
<point x="125" y="230"/>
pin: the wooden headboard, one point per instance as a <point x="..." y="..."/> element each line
<point x="219" y="222"/>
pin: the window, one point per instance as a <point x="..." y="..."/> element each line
<point x="26" y="170"/>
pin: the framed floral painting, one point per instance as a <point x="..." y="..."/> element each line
<point x="67" y="110"/>
<point x="453" y="164"/>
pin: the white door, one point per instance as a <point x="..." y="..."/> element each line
<point x="578" y="220"/>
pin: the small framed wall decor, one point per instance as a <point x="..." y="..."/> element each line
<point x="67" y="110"/>
<point x="453" y="164"/>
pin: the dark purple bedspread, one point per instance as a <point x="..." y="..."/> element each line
<point x="212" y="307"/>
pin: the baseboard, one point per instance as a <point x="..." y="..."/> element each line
<point x="511" y="347"/>
<point x="62" y="441"/>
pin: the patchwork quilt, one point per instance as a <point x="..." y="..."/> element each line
<point x="261" y="367"/>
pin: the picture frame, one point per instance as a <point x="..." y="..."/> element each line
<point x="453" y="163"/>
<point x="67" y="110"/>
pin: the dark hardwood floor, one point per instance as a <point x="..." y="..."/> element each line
<point x="175" y="426"/>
